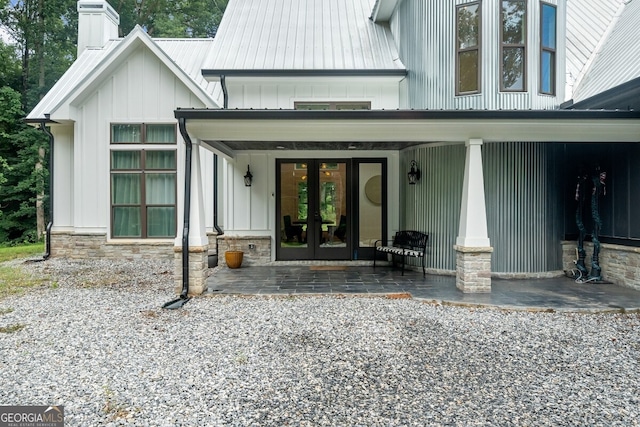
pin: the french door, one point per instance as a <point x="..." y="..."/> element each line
<point x="313" y="209"/>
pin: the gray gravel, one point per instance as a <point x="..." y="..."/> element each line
<point x="96" y="341"/>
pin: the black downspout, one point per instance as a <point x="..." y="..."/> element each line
<point x="225" y="105"/>
<point x="47" y="253"/>
<point x="215" y="200"/>
<point x="187" y="208"/>
<point x="184" y="295"/>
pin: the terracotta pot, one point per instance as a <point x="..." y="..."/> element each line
<point x="233" y="258"/>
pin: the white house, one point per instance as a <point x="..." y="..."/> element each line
<point x="328" y="104"/>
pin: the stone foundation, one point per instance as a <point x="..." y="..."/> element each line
<point x="198" y="268"/>
<point x="473" y="269"/>
<point x="620" y="264"/>
<point x="257" y="249"/>
<point x="87" y="246"/>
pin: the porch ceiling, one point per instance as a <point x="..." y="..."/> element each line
<point x="234" y="130"/>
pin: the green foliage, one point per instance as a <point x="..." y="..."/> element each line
<point x="19" y="144"/>
<point x="9" y="253"/>
<point x="167" y="18"/>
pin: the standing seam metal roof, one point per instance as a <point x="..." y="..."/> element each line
<point x="618" y="61"/>
<point x="302" y="35"/>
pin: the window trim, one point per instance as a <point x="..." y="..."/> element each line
<point x="143" y="133"/>
<point x="522" y="46"/>
<point x="553" y="52"/>
<point x="477" y="48"/>
<point x="143" y="148"/>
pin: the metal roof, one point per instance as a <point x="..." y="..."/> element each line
<point x="588" y="22"/>
<point x="187" y="54"/>
<point x="618" y="60"/>
<point x="302" y="35"/>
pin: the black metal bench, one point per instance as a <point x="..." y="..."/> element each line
<point x="406" y="243"/>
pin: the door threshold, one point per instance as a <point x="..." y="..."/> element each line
<point x="321" y="262"/>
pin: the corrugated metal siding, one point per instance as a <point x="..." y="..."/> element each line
<point x="588" y="21"/>
<point x="433" y="204"/>
<point x="425" y="33"/>
<point x="524" y="206"/>
<point x="302" y="34"/>
<point x="618" y="60"/>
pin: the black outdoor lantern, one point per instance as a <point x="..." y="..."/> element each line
<point x="247" y="178"/>
<point x="414" y="173"/>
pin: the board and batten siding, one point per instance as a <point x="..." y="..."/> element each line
<point x="140" y="90"/>
<point x="275" y="95"/>
<point x="426" y="35"/>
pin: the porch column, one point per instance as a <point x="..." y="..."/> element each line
<point x="198" y="240"/>
<point x="473" y="259"/>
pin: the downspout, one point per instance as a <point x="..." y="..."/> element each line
<point x="184" y="295"/>
<point x="225" y="105"/>
<point x="187" y="208"/>
<point x="43" y="128"/>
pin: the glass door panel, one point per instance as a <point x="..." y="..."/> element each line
<point x="332" y="210"/>
<point x="313" y="209"/>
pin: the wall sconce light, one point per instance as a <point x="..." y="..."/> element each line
<point x="414" y="173"/>
<point x="247" y="178"/>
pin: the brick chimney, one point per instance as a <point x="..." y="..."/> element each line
<point x="97" y="24"/>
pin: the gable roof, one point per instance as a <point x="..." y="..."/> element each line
<point x="302" y="35"/>
<point x="182" y="56"/>
<point x="618" y="60"/>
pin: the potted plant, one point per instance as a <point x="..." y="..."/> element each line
<point x="233" y="255"/>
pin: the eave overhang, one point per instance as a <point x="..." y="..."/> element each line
<point x="215" y="74"/>
<point x="235" y="130"/>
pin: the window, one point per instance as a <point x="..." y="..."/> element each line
<point x="332" y="105"/>
<point x="513" y="45"/>
<point x="468" y="49"/>
<point x="143" y="182"/>
<point x="547" y="49"/>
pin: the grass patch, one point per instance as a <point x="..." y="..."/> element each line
<point x="14" y="280"/>
<point x="11" y="328"/>
<point x="23" y="251"/>
<point x="4" y="311"/>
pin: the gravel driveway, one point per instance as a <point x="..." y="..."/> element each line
<point x="96" y="341"/>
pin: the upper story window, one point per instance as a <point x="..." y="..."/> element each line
<point x="513" y="45"/>
<point x="143" y="181"/>
<point x="468" y="48"/>
<point x="548" y="49"/>
<point x="332" y="105"/>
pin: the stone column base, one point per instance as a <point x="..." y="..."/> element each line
<point x="198" y="265"/>
<point x="473" y="269"/>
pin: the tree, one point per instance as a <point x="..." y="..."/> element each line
<point x="23" y="182"/>
<point x="166" y="18"/>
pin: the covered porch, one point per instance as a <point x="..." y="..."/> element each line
<point x="236" y="132"/>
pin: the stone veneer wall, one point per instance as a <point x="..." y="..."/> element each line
<point x="620" y="264"/>
<point x="84" y="246"/>
<point x="257" y="249"/>
<point x="473" y="269"/>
